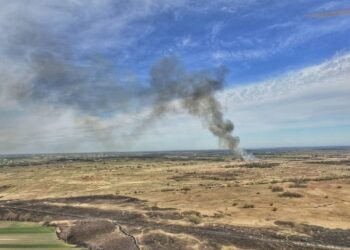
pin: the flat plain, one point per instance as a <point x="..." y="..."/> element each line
<point x="288" y="198"/>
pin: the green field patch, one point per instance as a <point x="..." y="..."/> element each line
<point x="35" y="246"/>
<point x="26" y="230"/>
<point x="28" y="235"/>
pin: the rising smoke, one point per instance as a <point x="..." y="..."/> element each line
<point x="40" y="69"/>
<point x="196" y="94"/>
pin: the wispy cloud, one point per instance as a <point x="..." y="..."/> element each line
<point x="311" y="99"/>
<point x="279" y="37"/>
<point x="87" y="45"/>
<point x="241" y="55"/>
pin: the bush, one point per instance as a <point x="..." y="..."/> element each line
<point x="298" y="183"/>
<point x="248" y="206"/>
<point x="167" y="190"/>
<point x="277" y="189"/>
<point x="260" y="165"/>
<point x="185" y="189"/>
<point x="290" y="195"/>
<point x="195" y="219"/>
<point x="219" y="215"/>
<point x="46" y="220"/>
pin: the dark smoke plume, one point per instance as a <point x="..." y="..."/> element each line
<point x="196" y="94"/>
<point x="44" y="70"/>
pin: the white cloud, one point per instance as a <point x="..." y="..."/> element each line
<point x="296" y="32"/>
<point x="309" y="106"/>
<point x="240" y="55"/>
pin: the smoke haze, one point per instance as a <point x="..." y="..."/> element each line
<point x="196" y="94"/>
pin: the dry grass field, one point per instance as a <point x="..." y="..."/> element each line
<point x="294" y="199"/>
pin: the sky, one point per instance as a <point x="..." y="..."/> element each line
<point x="77" y="75"/>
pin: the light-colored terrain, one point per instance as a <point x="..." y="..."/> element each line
<point x="309" y="187"/>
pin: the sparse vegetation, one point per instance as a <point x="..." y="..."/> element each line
<point x="248" y="206"/>
<point x="167" y="190"/>
<point x="185" y="189"/>
<point x="334" y="162"/>
<point x="260" y="165"/>
<point x="46" y="221"/>
<point x="219" y="215"/>
<point x="277" y="189"/>
<point x="298" y="183"/>
<point x="194" y="219"/>
<point x="290" y="195"/>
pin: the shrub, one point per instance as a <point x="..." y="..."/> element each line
<point x="298" y="183"/>
<point x="219" y="215"/>
<point x="167" y="190"/>
<point x="46" y="220"/>
<point x="195" y="219"/>
<point x="191" y="212"/>
<point x="248" y="206"/>
<point x="277" y="189"/>
<point x="260" y="165"/>
<point x="285" y="223"/>
<point x="290" y="195"/>
<point x="185" y="189"/>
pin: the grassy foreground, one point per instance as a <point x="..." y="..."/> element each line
<point x="26" y="235"/>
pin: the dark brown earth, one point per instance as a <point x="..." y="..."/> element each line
<point x="157" y="228"/>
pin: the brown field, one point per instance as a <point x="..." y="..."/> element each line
<point x="291" y="199"/>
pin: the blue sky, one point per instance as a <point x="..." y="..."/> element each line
<point x="254" y="39"/>
<point x="288" y="64"/>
